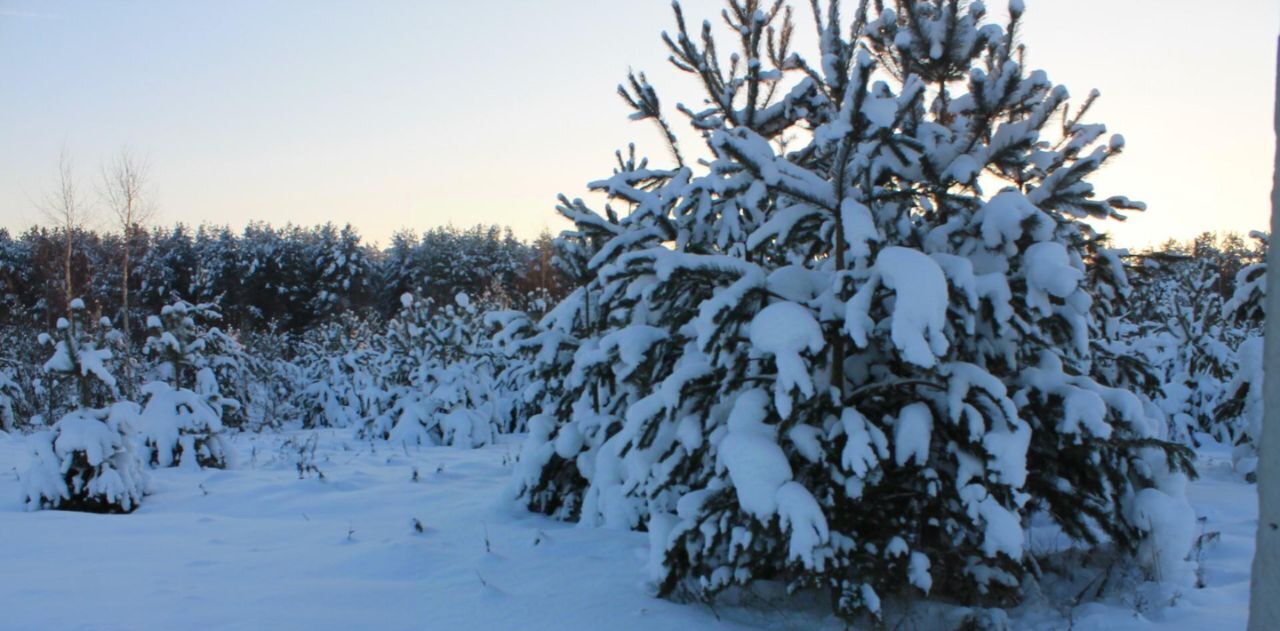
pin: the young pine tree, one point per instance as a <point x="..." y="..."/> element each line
<point x="182" y="418"/>
<point x="438" y="376"/>
<point x="86" y="461"/>
<point x="1241" y="409"/>
<point x="852" y="349"/>
<point x="14" y="402"/>
<point x="338" y="359"/>
<point x="1177" y="322"/>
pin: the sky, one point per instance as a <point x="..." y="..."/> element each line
<point x="391" y="115"/>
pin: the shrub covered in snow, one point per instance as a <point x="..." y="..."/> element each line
<point x="1181" y="331"/>
<point x="182" y="418"/>
<point x="86" y="461"/>
<point x="1176" y="323"/>
<point x="14" y="407"/>
<point x="81" y="365"/>
<point x="438" y="375"/>
<point x="857" y="343"/>
<point x="190" y="352"/>
<point x="515" y="341"/>
<point x="181" y="427"/>
<point x="24" y="395"/>
<point x="342" y="382"/>
<point x="1247" y="305"/>
<point x="1239" y="414"/>
<point x="275" y="378"/>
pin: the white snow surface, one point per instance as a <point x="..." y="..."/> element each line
<point x="255" y="547"/>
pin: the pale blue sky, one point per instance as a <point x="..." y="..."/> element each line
<point x="392" y="114"/>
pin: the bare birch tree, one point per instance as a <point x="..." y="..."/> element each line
<point x="66" y="208"/>
<point x="125" y="193"/>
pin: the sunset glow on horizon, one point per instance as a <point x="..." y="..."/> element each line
<point x="395" y="115"/>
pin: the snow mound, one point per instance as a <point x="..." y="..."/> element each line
<point x="785" y="330"/>
<point x="757" y="465"/>
<point x="1007" y="216"/>
<point x="919" y="313"/>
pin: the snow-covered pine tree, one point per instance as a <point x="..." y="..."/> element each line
<point x="579" y="405"/>
<point x="398" y="271"/>
<point x="86" y="461"/>
<point x="275" y="379"/>
<point x="437" y="376"/>
<point x="464" y="385"/>
<point x="338" y="359"/>
<point x="325" y="400"/>
<point x="182" y="418"/>
<point x="1175" y="321"/>
<point x="14" y="404"/>
<point x="26" y="392"/>
<point x="403" y="368"/>
<point x="342" y="270"/>
<point x="1241" y="408"/>
<point x="827" y="354"/>
<point x="81" y="359"/>
<point x="1247" y="305"/>
<point x="1120" y="336"/>
<point x="165" y="268"/>
<point x="513" y="341"/>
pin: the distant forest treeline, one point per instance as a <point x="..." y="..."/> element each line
<point x="287" y="278"/>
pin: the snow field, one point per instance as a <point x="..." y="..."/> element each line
<point x="256" y="547"/>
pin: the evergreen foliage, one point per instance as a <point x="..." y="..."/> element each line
<point x="14" y="407"/>
<point x="439" y="376"/>
<point x="182" y="418"/>
<point x="858" y="341"/>
<point x="343" y="388"/>
<point x="86" y="461"/>
<point x="1240" y="412"/>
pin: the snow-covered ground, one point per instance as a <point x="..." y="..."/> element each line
<point x="256" y="547"/>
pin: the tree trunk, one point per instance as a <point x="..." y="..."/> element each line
<point x="66" y="271"/>
<point x="1264" y="596"/>
<point x="124" y="289"/>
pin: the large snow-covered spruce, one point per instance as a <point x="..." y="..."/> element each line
<point x="854" y="348"/>
<point x="87" y="460"/>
